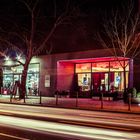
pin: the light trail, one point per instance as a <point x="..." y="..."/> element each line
<point x="103" y="121"/>
<point x="66" y="130"/>
<point x="102" y="118"/>
<point x="12" y="137"/>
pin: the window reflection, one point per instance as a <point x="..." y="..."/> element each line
<point x="100" y="67"/>
<point x="105" y="76"/>
<point x="12" y="74"/>
<point x="118" y="65"/>
<point x="85" y="67"/>
<point x="84" y="81"/>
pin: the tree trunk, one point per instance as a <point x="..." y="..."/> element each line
<point x="125" y="92"/>
<point x="1" y="77"/>
<point x="22" y="88"/>
<point x="124" y="75"/>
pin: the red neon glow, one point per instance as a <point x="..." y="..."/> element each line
<point x="89" y="60"/>
<point x="66" y="69"/>
<point x="65" y="72"/>
<point x="86" y="67"/>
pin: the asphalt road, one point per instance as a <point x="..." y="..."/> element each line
<point x="41" y="123"/>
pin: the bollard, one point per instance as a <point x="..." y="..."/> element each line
<point x="56" y="98"/>
<point x="101" y="100"/>
<point x="24" y="98"/>
<point x="40" y="95"/>
<point x="129" y="101"/>
<point x="11" y="97"/>
<point x="77" y="99"/>
<point x="1" y="91"/>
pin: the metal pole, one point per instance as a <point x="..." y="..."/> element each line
<point x="56" y="98"/>
<point x="101" y="100"/>
<point x="24" y="98"/>
<point x="77" y="99"/>
<point x="129" y="101"/>
<point x="10" y="97"/>
<point x="1" y="91"/>
<point x="40" y="97"/>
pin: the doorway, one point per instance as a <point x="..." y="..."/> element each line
<point x="100" y="82"/>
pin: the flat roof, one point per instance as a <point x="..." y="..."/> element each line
<point x="99" y="59"/>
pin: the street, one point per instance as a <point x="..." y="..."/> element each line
<point x="30" y="122"/>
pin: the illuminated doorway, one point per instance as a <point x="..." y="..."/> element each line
<point x="100" y="82"/>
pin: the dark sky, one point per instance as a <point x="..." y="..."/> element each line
<point x="68" y="37"/>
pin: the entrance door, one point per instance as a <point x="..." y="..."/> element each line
<point x="96" y="82"/>
<point x="100" y="82"/>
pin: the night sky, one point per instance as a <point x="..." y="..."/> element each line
<point x="78" y="35"/>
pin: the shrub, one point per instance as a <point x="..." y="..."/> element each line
<point x="138" y="95"/>
<point x="133" y="92"/>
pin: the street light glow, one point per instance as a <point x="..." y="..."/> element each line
<point x="18" y="57"/>
<point x="6" y="58"/>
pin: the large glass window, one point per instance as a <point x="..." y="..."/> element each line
<point x="12" y="74"/>
<point x="105" y="76"/>
<point x="118" y="65"/>
<point x="85" y="67"/>
<point x="33" y="68"/>
<point x="7" y="78"/>
<point x="32" y="83"/>
<point x="117" y="81"/>
<point x="84" y="81"/>
<point x="100" y="67"/>
<point x="32" y="79"/>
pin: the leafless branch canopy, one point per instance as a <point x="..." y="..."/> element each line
<point x="29" y="40"/>
<point x="121" y="32"/>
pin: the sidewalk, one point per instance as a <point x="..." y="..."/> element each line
<point x="81" y="103"/>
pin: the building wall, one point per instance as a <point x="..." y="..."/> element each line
<point x="61" y="70"/>
<point x="65" y="75"/>
<point x="49" y="64"/>
<point x="47" y="67"/>
<point x="137" y="75"/>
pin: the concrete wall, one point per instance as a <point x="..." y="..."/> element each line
<point x="65" y="75"/>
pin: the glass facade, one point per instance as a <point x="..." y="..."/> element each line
<point x="85" y="67"/>
<point x="84" y="81"/>
<point x="12" y="74"/>
<point x="100" y="67"/>
<point x="102" y="76"/>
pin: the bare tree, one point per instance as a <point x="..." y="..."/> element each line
<point x="2" y="54"/>
<point x="27" y="44"/>
<point x="120" y="34"/>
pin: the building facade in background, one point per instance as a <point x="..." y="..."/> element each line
<point x="86" y="71"/>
